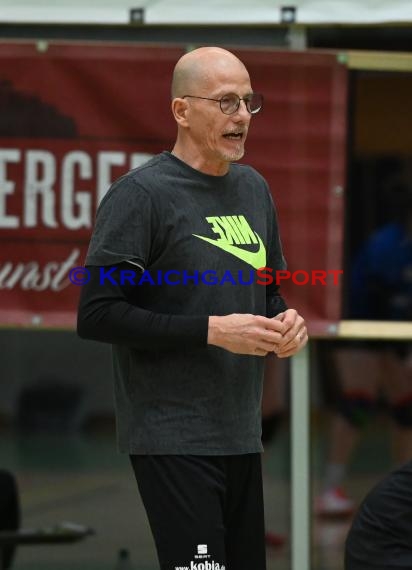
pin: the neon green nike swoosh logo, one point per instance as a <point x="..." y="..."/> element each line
<point x="256" y="259"/>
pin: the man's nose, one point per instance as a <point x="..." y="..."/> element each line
<point x="242" y="111"/>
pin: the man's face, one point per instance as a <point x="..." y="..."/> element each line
<point x="220" y="138"/>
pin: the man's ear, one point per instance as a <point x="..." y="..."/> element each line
<point x="179" y="109"/>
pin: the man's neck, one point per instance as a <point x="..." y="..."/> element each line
<point x="198" y="162"/>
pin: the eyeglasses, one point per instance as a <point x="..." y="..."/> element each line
<point x="229" y="103"/>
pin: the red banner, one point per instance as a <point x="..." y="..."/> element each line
<point x="76" y="117"/>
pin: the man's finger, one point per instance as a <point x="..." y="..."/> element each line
<point x="260" y="352"/>
<point x="289" y="319"/>
<point x="292" y="349"/>
<point x="275" y="325"/>
<point x="295" y="340"/>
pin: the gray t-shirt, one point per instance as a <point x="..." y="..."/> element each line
<point x="166" y="216"/>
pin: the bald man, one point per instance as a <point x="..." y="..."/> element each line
<point x="188" y="349"/>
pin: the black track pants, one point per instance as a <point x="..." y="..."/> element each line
<point x="205" y="512"/>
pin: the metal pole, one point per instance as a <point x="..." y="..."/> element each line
<point x="300" y="462"/>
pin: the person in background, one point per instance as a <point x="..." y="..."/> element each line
<point x="380" y="535"/>
<point x="381" y="289"/>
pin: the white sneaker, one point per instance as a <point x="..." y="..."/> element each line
<point x="334" y="503"/>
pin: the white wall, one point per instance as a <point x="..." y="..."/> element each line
<point x="213" y="12"/>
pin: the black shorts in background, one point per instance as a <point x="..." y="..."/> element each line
<point x="205" y="512"/>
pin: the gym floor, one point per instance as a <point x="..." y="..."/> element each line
<point x="82" y="479"/>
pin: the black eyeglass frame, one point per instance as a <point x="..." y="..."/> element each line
<point x="246" y="100"/>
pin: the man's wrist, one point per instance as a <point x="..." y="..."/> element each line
<point x="213" y="330"/>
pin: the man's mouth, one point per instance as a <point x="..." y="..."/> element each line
<point x="235" y="136"/>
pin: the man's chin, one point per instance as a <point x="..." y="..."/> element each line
<point x="233" y="156"/>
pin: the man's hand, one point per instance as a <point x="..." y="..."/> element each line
<point x="295" y="334"/>
<point x="247" y="334"/>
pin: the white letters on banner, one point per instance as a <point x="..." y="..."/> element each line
<point x="33" y="276"/>
<point x="7" y="187"/>
<point x="48" y="180"/>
